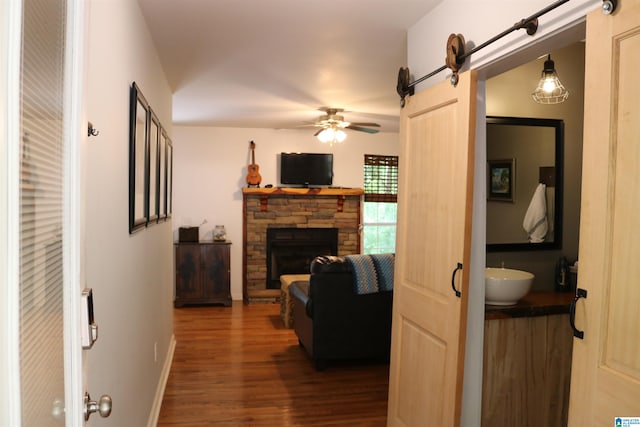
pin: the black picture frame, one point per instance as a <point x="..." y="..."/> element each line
<point x="138" y="159"/>
<point x="153" y="190"/>
<point x="162" y="169"/>
<point x="501" y="176"/>
<point x="169" y="177"/>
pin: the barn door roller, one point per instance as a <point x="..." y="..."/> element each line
<point x="456" y="54"/>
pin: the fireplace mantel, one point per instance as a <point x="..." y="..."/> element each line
<point x="293" y="191"/>
<point x="339" y="192"/>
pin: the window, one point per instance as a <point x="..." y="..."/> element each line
<point x="380" y="203"/>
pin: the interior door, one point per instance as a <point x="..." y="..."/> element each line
<point x="605" y="380"/>
<point x="43" y="122"/>
<point x="432" y="253"/>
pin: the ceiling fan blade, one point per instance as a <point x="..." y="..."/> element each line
<point x="365" y="124"/>
<point x="362" y="129"/>
<point x="318" y="133"/>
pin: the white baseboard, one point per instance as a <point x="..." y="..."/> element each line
<point x="162" y="383"/>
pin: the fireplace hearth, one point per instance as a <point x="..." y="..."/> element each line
<point x="291" y="250"/>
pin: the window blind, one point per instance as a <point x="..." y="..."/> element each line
<point x="380" y="178"/>
<point x="41" y="211"/>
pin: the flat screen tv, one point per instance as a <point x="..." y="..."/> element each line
<point x="306" y="169"/>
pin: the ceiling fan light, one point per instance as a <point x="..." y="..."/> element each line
<point x="331" y="135"/>
<point x="326" y="135"/>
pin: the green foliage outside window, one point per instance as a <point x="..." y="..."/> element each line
<point x="379" y="229"/>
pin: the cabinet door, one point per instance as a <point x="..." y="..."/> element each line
<point x="188" y="272"/>
<point x="215" y="274"/>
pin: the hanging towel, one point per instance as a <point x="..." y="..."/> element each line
<point x="535" y="220"/>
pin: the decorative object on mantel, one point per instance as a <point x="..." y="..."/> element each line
<point x="219" y="233"/>
<point x="253" y="176"/>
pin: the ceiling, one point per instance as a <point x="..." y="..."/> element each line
<point x="272" y="64"/>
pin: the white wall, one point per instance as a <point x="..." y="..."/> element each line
<point x="478" y="21"/>
<point x="210" y="167"/>
<point x="131" y="275"/>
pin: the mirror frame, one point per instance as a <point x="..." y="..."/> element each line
<point x="558" y="125"/>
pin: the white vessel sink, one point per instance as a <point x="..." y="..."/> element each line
<point x="505" y="286"/>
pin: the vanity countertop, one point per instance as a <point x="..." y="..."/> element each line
<point x="533" y="304"/>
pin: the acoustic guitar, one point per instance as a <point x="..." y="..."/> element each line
<point x="253" y="174"/>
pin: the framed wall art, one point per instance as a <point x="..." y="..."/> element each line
<point x="154" y="170"/>
<point x="501" y="180"/>
<point x="163" y="176"/>
<point x="138" y="159"/>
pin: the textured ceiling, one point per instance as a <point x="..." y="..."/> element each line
<point x="272" y="63"/>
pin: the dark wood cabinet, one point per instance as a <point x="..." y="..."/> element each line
<point x="203" y="274"/>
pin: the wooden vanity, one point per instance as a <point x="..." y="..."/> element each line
<point x="527" y="362"/>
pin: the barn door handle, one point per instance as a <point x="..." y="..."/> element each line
<point x="453" y="280"/>
<point x="580" y="293"/>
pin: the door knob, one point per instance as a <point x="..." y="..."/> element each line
<point x="102" y="406"/>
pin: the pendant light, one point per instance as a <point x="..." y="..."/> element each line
<point x="550" y="90"/>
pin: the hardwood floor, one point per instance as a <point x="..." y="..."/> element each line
<point x="239" y="366"/>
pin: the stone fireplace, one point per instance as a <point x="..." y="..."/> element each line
<point x="328" y="219"/>
<point x="291" y="250"/>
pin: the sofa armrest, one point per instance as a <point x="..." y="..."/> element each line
<point x="300" y="291"/>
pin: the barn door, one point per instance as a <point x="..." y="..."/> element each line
<point x="605" y="379"/>
<point x="432" y="255"/>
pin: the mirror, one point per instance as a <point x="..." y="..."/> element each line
<point x="521" y="154"/>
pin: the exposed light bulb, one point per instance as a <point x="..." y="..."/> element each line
<point x="549" y="85"/>
<point x="550" y="90"/>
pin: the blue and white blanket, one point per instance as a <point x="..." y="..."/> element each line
<point x="372" y="273"/>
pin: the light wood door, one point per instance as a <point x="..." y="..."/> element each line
<point x="605" y="379"/>
<point x="434" y="233"/>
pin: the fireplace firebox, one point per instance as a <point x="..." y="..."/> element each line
<point x="291" y="250"/>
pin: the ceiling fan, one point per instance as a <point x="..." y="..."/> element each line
<point x="332" y="124"/>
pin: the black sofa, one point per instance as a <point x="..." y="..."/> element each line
<point x="333" y="322"/>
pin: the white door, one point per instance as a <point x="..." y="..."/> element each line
<point x="605" y="373"/>
<point x="42" y="355"/>
<point x="435" y="194"/>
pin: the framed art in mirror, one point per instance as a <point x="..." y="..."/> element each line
<point x="501" y="175"/>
